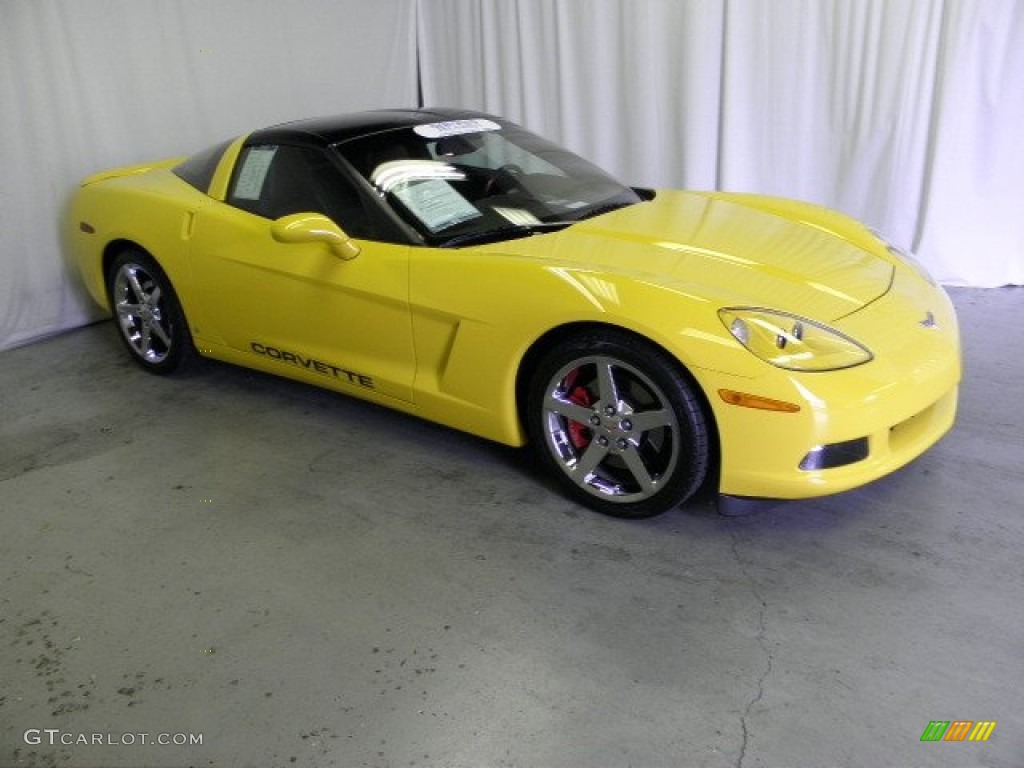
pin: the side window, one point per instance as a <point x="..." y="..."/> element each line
<point x="198" y="170"/>
<point x="277" y="180"/>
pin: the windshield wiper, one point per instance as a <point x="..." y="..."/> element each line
<point x="602" y="209"/>
<point x="503" y="233"/>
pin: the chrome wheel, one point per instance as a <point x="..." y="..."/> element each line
<point x="137" y="302"/>
<point x="619" y="426"/>
<point x="147" y="312"/>
<point x="611" y="429"/>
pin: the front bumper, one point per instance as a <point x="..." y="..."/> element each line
<point x="854" y="425"/>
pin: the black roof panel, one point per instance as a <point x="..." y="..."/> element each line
<point x="324" y="131"/>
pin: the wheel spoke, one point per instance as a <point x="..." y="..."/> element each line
<point x="606" y="387"/>
<point x="161" y="334"/>
<point x="638" y="469"/>
<point x="644" y="421"/>
<point x="588" y="462"/>
<point x="136" y="286"/>
<point x="145" y="344"/>
<point x="124" y="309"/>
<point x="570" y="410"/>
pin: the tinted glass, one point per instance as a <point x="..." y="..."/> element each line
<point x="274" y="181"/>
<point x="467" y="181"/>
<point x="198" y="170"/>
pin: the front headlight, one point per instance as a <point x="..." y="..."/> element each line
<point x="904" y="256"/>
<point x="792" y="342"/>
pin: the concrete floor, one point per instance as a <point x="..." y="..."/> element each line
<point x="296" y="578"/>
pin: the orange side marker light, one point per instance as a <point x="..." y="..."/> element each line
<point x="746" y="400"/>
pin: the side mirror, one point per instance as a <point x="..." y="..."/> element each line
<point x="314" y="228"/>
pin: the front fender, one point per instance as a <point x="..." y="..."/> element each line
<point x="476" y="318"/>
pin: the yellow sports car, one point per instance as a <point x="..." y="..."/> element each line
<point x="455" y="266"/>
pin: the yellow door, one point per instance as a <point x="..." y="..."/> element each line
<point x="301" y="306"/>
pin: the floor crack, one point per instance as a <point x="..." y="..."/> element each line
<point x="762" y="644"/>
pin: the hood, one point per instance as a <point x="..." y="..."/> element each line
<point x="730" y="248"/>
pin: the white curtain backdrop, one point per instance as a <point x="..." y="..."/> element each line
<point x="908" y="114"/>
<point x="905" y="113"/>
<point x="90" y="84"/>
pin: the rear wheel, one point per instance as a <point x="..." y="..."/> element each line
<point x="617" y="423"/>
<point x="147" y="312"/>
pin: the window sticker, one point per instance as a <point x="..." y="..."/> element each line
<point x="436" y="203"/>
<point x="455" y="128"/>
<point x="520" y="217"/>
<point x="249" y="185"/>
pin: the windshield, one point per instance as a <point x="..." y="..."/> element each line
<point x="466" y="181"/>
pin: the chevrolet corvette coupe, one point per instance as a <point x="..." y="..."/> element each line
<point x="455" y="266"/>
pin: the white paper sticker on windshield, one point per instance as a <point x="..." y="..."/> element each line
<point x="436" y="203"/>
<point x="455" y="128"/>
<point x="254" y="173"/>
<point x="518" y="216"/>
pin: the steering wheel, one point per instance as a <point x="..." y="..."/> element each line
<point x="504" y="180"/>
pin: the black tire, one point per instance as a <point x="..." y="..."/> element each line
<point x="616" y="422"/>
<point x="147" y="313"/>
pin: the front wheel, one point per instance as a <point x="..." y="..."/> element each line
<point x="147" y="312"/>
<point x="617" y="423"/>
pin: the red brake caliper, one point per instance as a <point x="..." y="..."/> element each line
<point x="579" y="434"/>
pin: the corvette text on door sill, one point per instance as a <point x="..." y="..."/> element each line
<point x="312" y="364"/>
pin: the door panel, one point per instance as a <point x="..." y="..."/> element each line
<point x="302" y="306"/>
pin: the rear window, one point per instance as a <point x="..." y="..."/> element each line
<point x="198" y="170"/>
